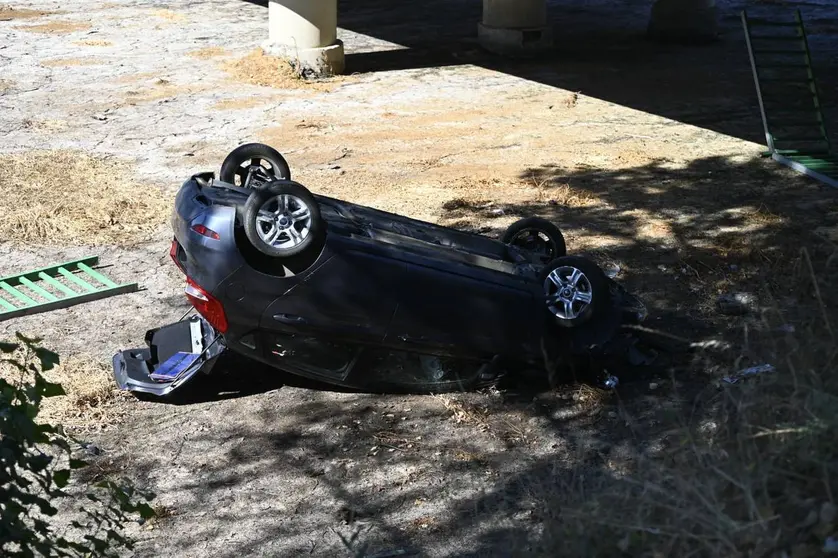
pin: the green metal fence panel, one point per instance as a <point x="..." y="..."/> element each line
<point x="46" y="292"/>
<point x="788" y="97"/>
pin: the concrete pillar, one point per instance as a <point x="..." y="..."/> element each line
<point x="684" y="21"/>
<point x="305" y="32"/>
<point x="515" y="27"/>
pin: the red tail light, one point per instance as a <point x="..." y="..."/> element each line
<point x="206" y="305"/>
<point x="203" y="231"/>
<point x="173" y="254"/>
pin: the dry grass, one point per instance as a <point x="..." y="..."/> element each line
<point x="92" y="400"/>
<point x="46" y="125"/>
<point x="565" y="195"/>
<point x="8" y="13"/>
<point x="561" y="194"/>
<point x="241" y="103"/>
<point x="258" y="68"/>
<point x="56" y="27"/>
<point x="466" y="413"/>
<point x="169" y="15"/>
<point x="134" y="78"/>
<point x="76" y="199"/>
<point x="6" y="85"/>
<point x="161" y="89"/>
<point x="93" y="43"/>
<point x="67" y="62"/>
<point x="207" y="52"/>
<point x="752" y="474"/>
<point x="763" y="217"/>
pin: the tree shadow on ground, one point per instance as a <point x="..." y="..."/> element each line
<point x="684" y="235"/>
<point x="499" y="473"/>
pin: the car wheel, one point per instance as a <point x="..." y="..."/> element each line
<point x="282" y="219"/>
<point x="538" y="238"/>
<point x="575" y="289"/>
<point x="253" y="165"/>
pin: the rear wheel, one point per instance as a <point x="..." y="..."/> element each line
<point x="539" y="239"/>
<point x="282" y="219"/>
<point x="575" y="289"/>
<point x="253" y="165"/>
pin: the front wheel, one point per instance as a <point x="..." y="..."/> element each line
<point x="576" y="290"/>
<point x="282" y="219"/>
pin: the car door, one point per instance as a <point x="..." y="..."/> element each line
<point x="350" y="297"/>
<point x="462" y="310"/>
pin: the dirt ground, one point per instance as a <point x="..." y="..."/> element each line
<point x="647" y="156"/>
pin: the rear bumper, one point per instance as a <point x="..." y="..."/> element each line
<point x="207" y="258"/>
<point x="173" y="355"/>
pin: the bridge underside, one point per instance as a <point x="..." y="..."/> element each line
<point x="305" y="31"/>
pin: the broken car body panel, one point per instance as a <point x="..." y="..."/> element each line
<point x="173" y="355"/>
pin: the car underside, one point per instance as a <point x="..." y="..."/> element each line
<point x="357" y="297"/>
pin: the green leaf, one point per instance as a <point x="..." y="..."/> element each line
<point x="61" y="477"/>
<point x="77" y="463"/>
<point x="8" y="347"/>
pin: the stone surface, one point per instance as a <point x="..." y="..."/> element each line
<point x="515" y="42"/>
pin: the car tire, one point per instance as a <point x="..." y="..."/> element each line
<point x="576" y="291"/>
<point x="254" y="155"/>
<point x="535" y="232"/>
<point x="282" y="219"/>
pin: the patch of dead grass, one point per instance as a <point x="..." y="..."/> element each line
<point x="93" y="43"/>
<point x="571" y="100"/>
<point x="568" y="196"/>
<point x="68" y="62"/>
<point x="258" y="68"/>
<point x="763" y="217"/>
<point x="561" y="194"/>
<point x="240" y="103"/>
<point x="207" y="52"/>
<point x="466" y="413"/>
<point x="75" y="199"/>
<point x="169" y="15"/>
<point x="748" y="470"/>
<point x="428" y="522"/>
<point x="46" y="125"/>
<point x="8" y="13"/>
<point x="6" y="85"/>
<point x="134" y="78"/>
<point x="91" y="400"/>
<point x="161" y="89"/>
<point x="56" y="27"/>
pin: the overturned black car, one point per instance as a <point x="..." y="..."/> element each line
<point x="335" y="291"/>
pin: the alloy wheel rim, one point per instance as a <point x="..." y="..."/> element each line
<point x="568" y="292"/>
<point x="283" y="221"/>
